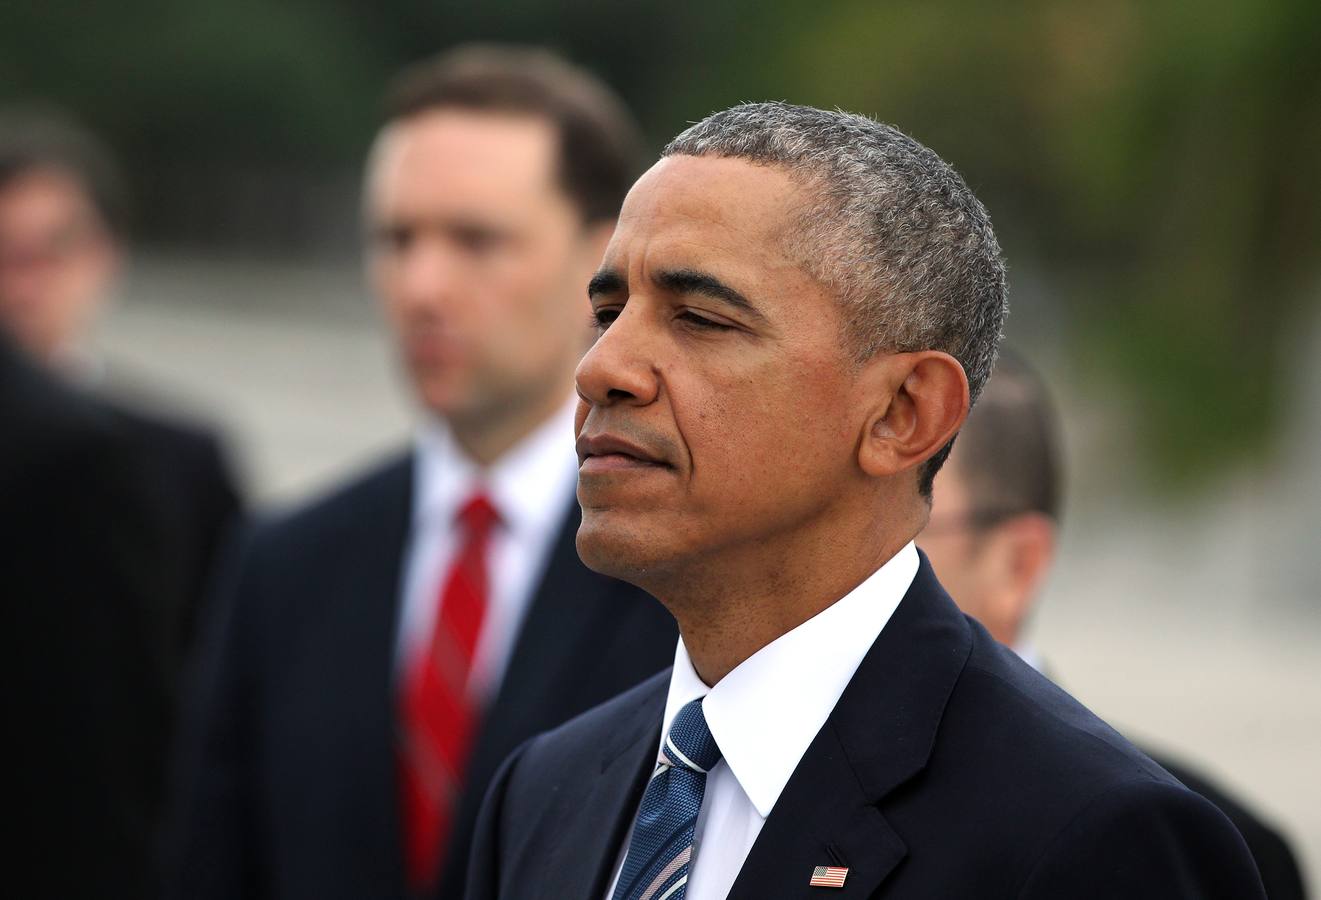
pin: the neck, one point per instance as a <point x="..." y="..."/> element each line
<point x="728" y="609"/>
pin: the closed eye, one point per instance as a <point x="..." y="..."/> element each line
<point x="601" y="318"/>
<point x="702" y="322"/>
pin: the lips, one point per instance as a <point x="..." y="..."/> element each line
<point x="604" y="452"/>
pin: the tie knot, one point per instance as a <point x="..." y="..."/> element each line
<point x="477" y="515"/>
<point x="689" y="743"/>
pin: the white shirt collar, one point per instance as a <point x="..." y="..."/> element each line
<point x="766" y="712"/>
<point x="526" y="484"/>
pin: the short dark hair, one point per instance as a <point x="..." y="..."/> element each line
<point x="600" y="143"/>
<point x="892" y="229"/>
<point x="37" y="138"/>
<point x="1009" y="449"/>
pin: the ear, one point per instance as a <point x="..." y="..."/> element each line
<point x="921" y="402"/>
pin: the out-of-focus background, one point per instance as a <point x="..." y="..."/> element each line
<point x="1152" y="170"/>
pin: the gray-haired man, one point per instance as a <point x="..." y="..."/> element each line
<point x="794" y="314"/>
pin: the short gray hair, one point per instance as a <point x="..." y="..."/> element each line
<point x="894" y="231"/>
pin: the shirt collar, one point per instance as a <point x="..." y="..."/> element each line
<point x="529" y="485"/>
<point x="766" y="712"/>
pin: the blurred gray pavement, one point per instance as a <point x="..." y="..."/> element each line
<point x="1191" y="625"/>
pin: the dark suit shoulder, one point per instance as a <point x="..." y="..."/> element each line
<point x="177" y="441"/>
<point x="345" y="513"/>
<point x="1044" y="721"/>
<point x="48" y="415"/>
<point x="339" y="555"/>
<point x="169" y="429"/>
<point x="1144" y="838"/>
<point x="1275" y="859"/>
<point x="1082" y="798"/>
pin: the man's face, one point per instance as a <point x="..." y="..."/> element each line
<point x="479" y="259"/>
<point x="56" y="260"/>
<point x="719" y="410"/>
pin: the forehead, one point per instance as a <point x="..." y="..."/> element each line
<point x="43" y="192"/>
<point x="459" y="158"/>
<point x="710" y="206"/>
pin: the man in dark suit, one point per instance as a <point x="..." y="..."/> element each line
<point x="795" y="313"/>
<point x="992" y="539"/>
<point x="384" y="648"/>
<point x="87" y="654"/>
<point x="63" y="227"/>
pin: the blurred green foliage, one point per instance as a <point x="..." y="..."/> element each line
<point x="1158" y="159"/>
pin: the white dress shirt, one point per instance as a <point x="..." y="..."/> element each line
<point x="764" y="715"/>
<point x="530" y="487"/>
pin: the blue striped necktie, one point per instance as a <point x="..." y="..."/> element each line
<point x="661" y="849"/>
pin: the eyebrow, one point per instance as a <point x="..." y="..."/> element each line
<point x="678" y="281"/>
<point x="606" y="281"/>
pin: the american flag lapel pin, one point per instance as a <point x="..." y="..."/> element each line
<point x="829" y="876"/>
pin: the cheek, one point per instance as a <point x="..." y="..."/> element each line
<point x="383" y="280"/>
<point x="88" y="278"/>
<point x="763" y="440"/>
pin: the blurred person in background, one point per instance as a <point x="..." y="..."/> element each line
<point x="992" y="541"/>
<point x="382" y="649"/>
<point x="63" y="232"/>
<point x="88" y="659"/>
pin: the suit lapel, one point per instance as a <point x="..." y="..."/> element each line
<point x="591" y="835"/>
<point x="823" y="818"/>
<point x="879" y="735"/>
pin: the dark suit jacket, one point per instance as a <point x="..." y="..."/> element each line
<point x="1275" y="860"/>
<point x="1276" y="863"/>
<point x="194" y="490"/>
<point x="289" y="782"/>
<point x="86" y="646"/>
<point x="948" y="769"/>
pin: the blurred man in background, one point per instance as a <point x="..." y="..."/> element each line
<point x="63" y="226"/>
<point x="383" y="649"/>
<point x="992" y="541"/>
<point x="88" y="660"/>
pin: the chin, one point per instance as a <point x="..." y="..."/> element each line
<point x="443" y="397"/>
<point x="615" y="550"/>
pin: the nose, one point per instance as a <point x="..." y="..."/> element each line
<point x="620" y="368"/>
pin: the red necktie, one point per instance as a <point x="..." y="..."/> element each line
<point x="437" y="720"/>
